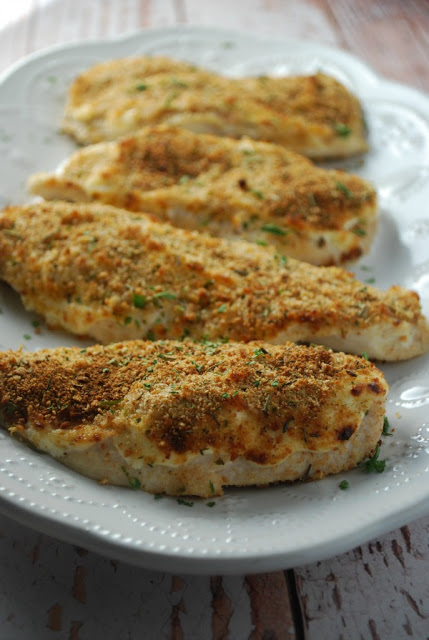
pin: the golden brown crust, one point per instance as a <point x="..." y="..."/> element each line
<point x="114" y="275"/>
<point x="314" y="115"/>
<point x="168" y="403"/>
<point x="253" y="190"/>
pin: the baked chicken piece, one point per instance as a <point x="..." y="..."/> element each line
<point x="314" y="115"/>
<point x="230" y="188"/>
<point x="107" y="273"/>
<point x="188" y="419"/>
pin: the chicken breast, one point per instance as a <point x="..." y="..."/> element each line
<point x="230" y="188"/>
<point x="104" y="272"/>
<point x="313" y="115"/>
<point x="188" y="419"/>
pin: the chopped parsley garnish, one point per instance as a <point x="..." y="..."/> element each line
<point x="260" y="351"/>
<point x="342" y="187"/>
<point x="342" y="129"/>
<point x="26" y="336"/>
<point x="167" y="295"/>
<point x="133" y="482"/>
<point x="186" y="503"/>
<point x="272" y="228"/>
<point x="139" y="300"/>
<point x="374" y="464"/>
<point x="222" y="308"/>
<point x="344" y="484"/>
<point x="210" y="504"/>
<point x="359" y="232"/>
<point x="386" y="427"/>
<point x="141" y="86"/>
<point x="212" y="489"/>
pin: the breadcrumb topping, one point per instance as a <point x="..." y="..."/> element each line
<point x="83" y="264"/>
<point x="315" y="115"/>
<point x="188" y="398"/>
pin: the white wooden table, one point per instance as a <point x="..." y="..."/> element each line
<point x="50" y="589"/>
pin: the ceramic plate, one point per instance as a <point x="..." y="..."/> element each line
<point x="248" y="530"/>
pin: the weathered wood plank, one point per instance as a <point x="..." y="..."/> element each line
<point x="267" y="18"/>
<point x="379" y="590"/>
<point x="271" y="609"/>
<point x="390" y="36"/>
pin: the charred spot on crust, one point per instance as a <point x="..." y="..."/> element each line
<point x="375" y="387"/>
<point x="11" y="413"/>
<point x="259" y="457"/>
<point x="356" y="391"/>
<point x="346" y="433"/>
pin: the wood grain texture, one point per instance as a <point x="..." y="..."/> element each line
<point x="379" y="591"/>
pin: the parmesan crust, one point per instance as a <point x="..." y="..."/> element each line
<point x="232" y="189"/>
<point x="189" y="419"/>
<point x="113" y="275"/>
<point x="313" y="115"/>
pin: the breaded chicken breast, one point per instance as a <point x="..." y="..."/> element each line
<point x="230" y="188"/>
<point x="105" y="272"/>
<point x="182" y="418"/>
<point x="313" y="115"/>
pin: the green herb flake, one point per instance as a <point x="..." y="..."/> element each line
<point x="359" y="231"/>
<point x="133" y="482"/>
<point x="141" y="86"/>
<point x="166" y="295"/>
<point x="225" y="395"/>
<point x="186" y="503"/>
<point x="273" y="228"/>
<point x="373" y="464"/>
<point x="210" y="504"/>
<point x="222" y="308"/>
<point x="386" y="427"/>
<point x="344" y="484"/>
<point x="139" y="300"/>
<point x="342" y="129"/>
<point x="26" y="336"/>
<point x="342" y="187"/>
<point x="158" y="496"/>
<point x="212" y="489"/>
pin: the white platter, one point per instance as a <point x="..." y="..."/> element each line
<point x="248" y="530"/>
